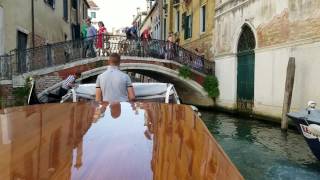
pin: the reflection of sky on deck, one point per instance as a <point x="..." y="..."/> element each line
<point x="129" y="141"/>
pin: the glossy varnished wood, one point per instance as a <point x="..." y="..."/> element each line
<point x="118" y="141"/>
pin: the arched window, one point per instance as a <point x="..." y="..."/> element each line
<point x="246" y="41"/>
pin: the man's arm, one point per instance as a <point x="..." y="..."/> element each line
<point x="131" y="94"/>
<point x="98" y="94"/>
<point x="98" y="90"/>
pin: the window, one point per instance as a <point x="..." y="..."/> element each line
<point x="165" y="28"/>
<point x="177" y="25"/>
<point x="93" y="15"/>
<point x="74" y="4"/>
<point x="84" y="11"/>
<point x="22" y="40"/>
<point x="187" y="24"/>
<point x="203" y="19"/>
<point x="65" y="10"/>
<point x="51" y="3"/>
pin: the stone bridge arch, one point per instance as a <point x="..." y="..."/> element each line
<point x="189" y="90"/>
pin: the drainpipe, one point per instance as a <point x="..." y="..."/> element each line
<point x="32" y="22"/>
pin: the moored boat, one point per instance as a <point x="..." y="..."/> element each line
<point x="308" y="124"/>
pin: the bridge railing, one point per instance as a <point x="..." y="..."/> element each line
<point x="22" y="61"/>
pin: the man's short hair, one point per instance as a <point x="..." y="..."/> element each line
<point x="115" y="59"/>
<point x="88" y="19"/>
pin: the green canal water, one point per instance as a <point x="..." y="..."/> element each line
<point x="260" y="150"/>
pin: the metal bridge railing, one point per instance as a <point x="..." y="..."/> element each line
<point x="22" y="61"/>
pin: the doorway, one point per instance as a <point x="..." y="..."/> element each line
<point x="246" y="68"/>
<point x="22" y="40"/>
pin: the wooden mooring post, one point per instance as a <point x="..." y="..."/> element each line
<point x="288" y="92"/>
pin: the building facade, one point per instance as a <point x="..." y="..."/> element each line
<point x="94" y="13"/>
<point x="253" y="42"/>
<point x="153" y="21"/>
<point x="52" y="21"/>
<point x="192" y="22"/>
<point x="1" y="31"/>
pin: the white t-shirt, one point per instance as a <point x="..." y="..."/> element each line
<point x="114" y="85"/>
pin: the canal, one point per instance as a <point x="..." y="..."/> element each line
<point x="260" y="150"/>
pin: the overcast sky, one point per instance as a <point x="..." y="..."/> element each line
<point x="118" y="13"/>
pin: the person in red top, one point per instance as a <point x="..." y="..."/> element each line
<point x="145" y="37"/>
<point x="101" y="37"/>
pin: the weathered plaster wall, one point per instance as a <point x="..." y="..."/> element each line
<point x="1" y="31"/>
<point x="49" y="23"/>
<point x="283" y="29"/>
<point x="275" y="22"/>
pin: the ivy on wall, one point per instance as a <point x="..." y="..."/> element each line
<point x="211" y="86"/>
<point x="185" y="72"/>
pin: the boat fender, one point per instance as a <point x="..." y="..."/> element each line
<point x="314" y="129"/>
<point x="196" y="110"/>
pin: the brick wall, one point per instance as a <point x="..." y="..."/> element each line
<point x="204" y="45"/>
<point x="6" y="97"/>
<point x="47" y="81"/>
<point x="282" y="30"/>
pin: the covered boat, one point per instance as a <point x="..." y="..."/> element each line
<point x="134" y="141"/>
<point x="308" y="124"/>
<point x="159" y="92"/>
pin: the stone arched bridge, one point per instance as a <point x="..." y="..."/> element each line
<point x="60" y="60"/>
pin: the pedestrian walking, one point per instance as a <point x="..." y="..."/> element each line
<point x="198" y="61"/>
<point x="102" y="32"/>
<point x="91" y="35"/>
<point x="169" y="46"/>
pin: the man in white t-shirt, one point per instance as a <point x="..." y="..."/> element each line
<point x="114" y="85"/>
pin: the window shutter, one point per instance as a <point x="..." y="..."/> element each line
<point x="65" y="10"/>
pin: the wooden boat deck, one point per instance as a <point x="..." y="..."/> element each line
<point x="128" y="141"/>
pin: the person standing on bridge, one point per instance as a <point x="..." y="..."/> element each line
<point x="91" y="35"/>
<point x="114" y="85"/>
<point x="145" y="38"/>
<point x="102" y="38"/>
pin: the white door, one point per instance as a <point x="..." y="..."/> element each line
<point x="1" y="31"/>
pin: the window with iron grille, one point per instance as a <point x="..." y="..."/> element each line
<point x="51" y="3"/>
<point x="65" y="10"/>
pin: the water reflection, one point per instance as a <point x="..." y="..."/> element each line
<point x="261" y="150"/>
<point x="39" y="140"/>
<point x="109" y="141"/>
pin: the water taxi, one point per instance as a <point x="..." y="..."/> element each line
<point x="141" y="140"/>
<point x="308" y="124"/>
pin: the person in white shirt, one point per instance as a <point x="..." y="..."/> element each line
<point x="114" y="85"/>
